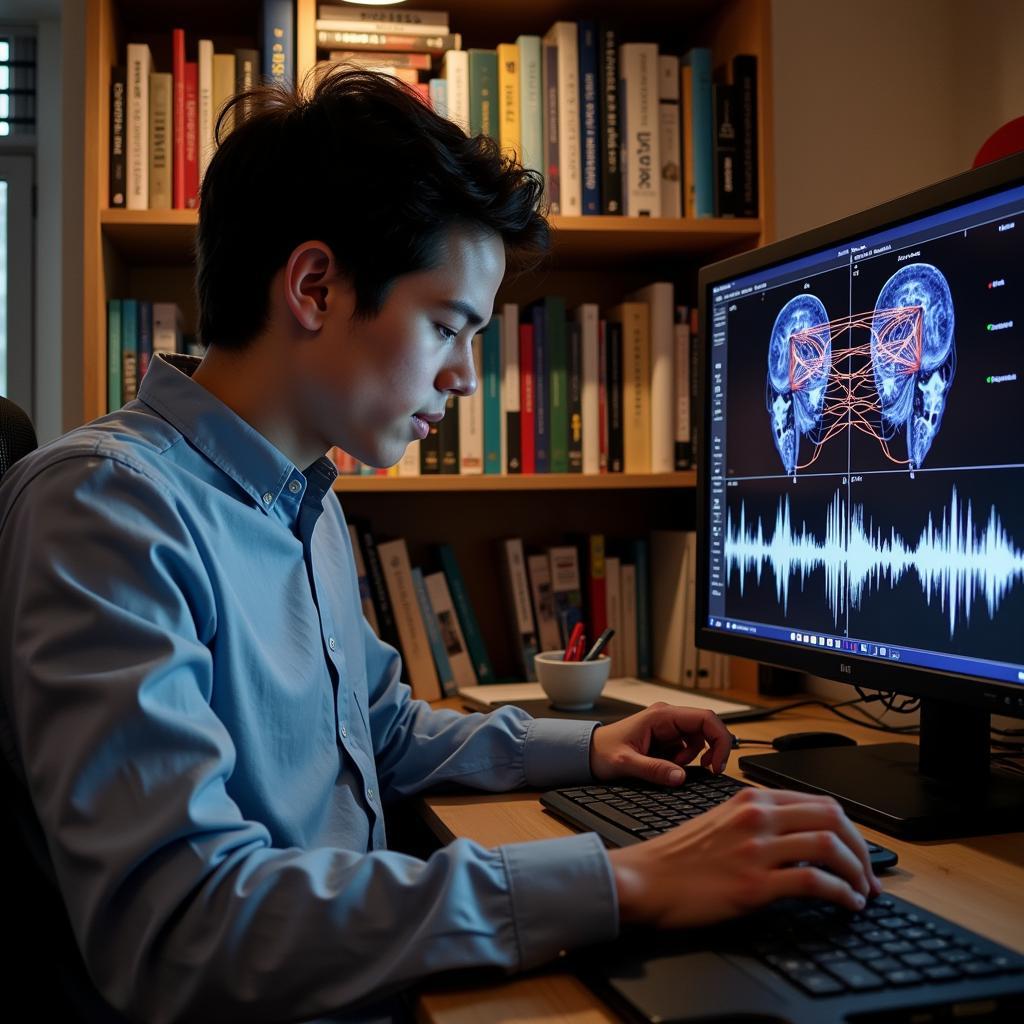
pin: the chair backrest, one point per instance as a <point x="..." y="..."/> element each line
<point x="17" y="436"/>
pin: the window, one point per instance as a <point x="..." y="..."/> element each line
<point x="17" y="83"/>
<point x="16" y="261"/>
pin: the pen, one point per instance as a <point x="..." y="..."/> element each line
<point x="599" y="645"/>
<point x="573" y="642"/>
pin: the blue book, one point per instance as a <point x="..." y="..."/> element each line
<point x="129" y="349"/>
<point x="635" y="551"/>
<point x="703" y="141"/>
<point x="483" y="92"/>
<point x="279" y="42"/>
<point x="113" y="354"/>
<point x="541" y="453"/>
<point x="438" y="88"/>
<point x="491" y="343"/>
<point x="590" y="121"/>
<point x="145" y="337"/>
<point x="531" y="103"/>
<point x="443" y="665"/>
<point x="467" y="617"/>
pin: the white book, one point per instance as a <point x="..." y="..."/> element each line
<point x="660" y="301"/>
<point x="511" y="461"/>
<point x="566" y="589"/>
<point x="471" y="421"/>
<point x="641" y="146"/>
<point x="564" y="35"/>
<point x="140" y="65"/>
<point x="409" y="463"/>
<point x="205" y="137"/>
<point x="166" y="328"/>
<point x="451" y="632"/>
<point x="682" y="379"/>
<point x="412" y="631"/>
<point x="403" y="28"/>
<point x="531" y="117"/>
<point x="517" y="589"/>
<point x="588" y="316"/>
<point x="668" y="605"/>
<point x="455" y="71"/>
<point x="689" y="637"/>
<point x="365" y="597"/>
<point x="539" y="571"/>
<point x="613" y="610"/>
<point x="627" y="591"/>
<point x="670" y="137"/>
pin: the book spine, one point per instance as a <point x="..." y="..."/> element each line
<point x="509" y="122"/>
<point x="417" y="657"/>
<point x="587" y="317"/>
<point x="690" y="620"/>
<point x="517" y="592"/>
<point x="668" y="605"/>
<point x="365" y="597"/>
<point x="129" y="349"/>
<point x="661" y="374"/>
<point x="441" y="663"/>
<point x="377" y="58"/>
<point x="689" y="175"/>
<point x="467" y="617"/>
<point x="403" y="19"/>
<point x="597" y="591"/>
<point x="641" y="160"/>
<point x="669" y="128"/>
<point x="744" y="76"/>
<point x="191" y="135"/>
<point x="527" y="400"/>
<point x="351" y="24"/>
<point x="455" y="70"/>
<point x="438" y="43"/>
<point x="574" y="395"/>
<point x="430" y="451"/>
<point x="178" y="118"/>
<point x="636" y="553"/>
<point x="409" y="463"/>
<point x="388" y="631"/>
<point x="160" y="140"/>
<point x="471" y="425"/>
<point x="616" y="443"/>
<point x="539" y="570"/>
<point x="699" y="60"/>
<point x="279" y="42"/>
<point x="483" y="92"/>
<point x="145" y="339"/>
<point x="511" y="440"/>
<point x="636" y="371"/>
<point x="205" y="136"/>
<point x="627" y="602"/>
<point x="590" y="122"/>
<point x="437" y="90"/>
<point x="448" y="436"/>
<point x="569" y="175"/>
<point x="557" y="368"/>
<point x="223" y="90"/>
<point x="117" y="185"/>
<point x="531" y="104"/>
<point x="602" y="396"/>
<point x="490" y="351"/>
<point x="566" y="591"/>
<point x="140" y="63"/>
<point x="683" y="447"/>
<point x="451" y="632"/>
<point x="541" y="429"/>
<point x="247" y="64"/>
<point x="723" y="98"/>
<point x="551" y="147"/>
<point x="113" y="354"/>
<point x="166" y="328"/>
<point x="613" y="606"/>
<point x="611" y="140"/>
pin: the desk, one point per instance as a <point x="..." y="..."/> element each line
<point x="977" y="882"/>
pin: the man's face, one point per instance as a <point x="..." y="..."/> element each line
<point x="372" y="386"/>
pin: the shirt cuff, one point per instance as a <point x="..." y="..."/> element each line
<point x="557" y="752"/>
<point x="563" y="895"/>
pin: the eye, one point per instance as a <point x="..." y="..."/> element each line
<point x="447" y="334"/>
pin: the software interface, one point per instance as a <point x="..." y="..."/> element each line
<point x="866" y="445"/>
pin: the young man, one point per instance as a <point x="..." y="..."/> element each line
<point x="208" y="728"/>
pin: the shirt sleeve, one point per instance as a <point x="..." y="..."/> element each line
<point x="181" y="906"/>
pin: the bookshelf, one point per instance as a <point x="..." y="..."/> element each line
<point x="148" y="254"/>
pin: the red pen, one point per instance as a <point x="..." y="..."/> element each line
<point x="574" y="641"/>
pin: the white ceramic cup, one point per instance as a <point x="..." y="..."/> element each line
<point x="571" y="685"/>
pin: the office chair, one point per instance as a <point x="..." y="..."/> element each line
<point x="47" y="974"/>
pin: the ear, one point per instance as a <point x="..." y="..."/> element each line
<point x="309" y="277"/>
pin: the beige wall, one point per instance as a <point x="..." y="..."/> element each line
<point x="875" y="98"/>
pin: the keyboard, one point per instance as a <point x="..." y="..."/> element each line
<point x="622" y="814"/>
<point x="812" y="961"/>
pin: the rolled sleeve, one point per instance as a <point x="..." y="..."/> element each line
<point x="557" y="752"/>
<point x="563" y="895"/>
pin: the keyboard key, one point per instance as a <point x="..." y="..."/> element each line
<point x="933" y="944"/>
<point x="919" y="960"/>
<point x="979" y="968"/>
<point x="904" y="976"/>
<point x="897" y="948"/>
<point x="616" y="816"/>
<point x="855" y="976"/>
<point x="817" y="983"/>
<point x="942" y="972"/>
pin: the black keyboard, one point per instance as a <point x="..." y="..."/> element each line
<point x="623" y="814"/>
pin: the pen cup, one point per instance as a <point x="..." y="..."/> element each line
<point x="571" y="685"/>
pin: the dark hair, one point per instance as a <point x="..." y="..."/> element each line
<point x="362" y="163"/>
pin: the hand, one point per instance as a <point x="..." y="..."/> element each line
<point x="655" y="743"/>
<point x="760" y="846"/>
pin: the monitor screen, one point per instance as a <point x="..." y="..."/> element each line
<point x="862" y="491"/>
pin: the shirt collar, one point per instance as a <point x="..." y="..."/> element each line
<point x="237" y="448"/>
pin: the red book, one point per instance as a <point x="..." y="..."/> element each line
<point x="178" y="107"/>
<point x="596" y="588"/>
<point x="191" y="134"/>
<point x="526" y="393"/>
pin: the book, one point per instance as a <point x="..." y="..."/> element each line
<point x="517" y="593"/>
<point x="390" y="41"/>
<point x="701" y="143"/>
<point x="531" y="105"/>
<point x="467" y="617"/>
<point x="129" y="349"/>
<point x="563" y="39"/>
<point x="178" y="118"/>
<point x="454" y="641"/>
<point x="430" y="451"/>
<point x="362" y="579"/>
<point x="116" y="186"/>
<point x="723" y="101"/>
<point x="279" y="42"/>
<point x="744" y="76"/>
<point x="683" y="448"/>
<point x="613" y="608"/>
<point x="556" y="354"/>
<point x="613" y="351"/>
<point x="449" y="434"/>
<point x="161" y="145"/>
<point x="455" y="71"/>
<point x="379" y="58"/>
<point x="590" y="119"/>
<point x="690" y="622"/>
<point x="139" y="66"/>
<point x="661" y="372"/>
<point x="442" y="664"/>
<point x="611" y="140"/>
<point x="489" y="354"/>
<point x="405" y="28"/>
<point x="247" y="65"/>
<point x="669" y="128"/>
<point x="668" y="605"/>
<point x="636" y="373"/>
<point x="635" y="552"/>
<point x="144" y="338"/>
<point x="404" y="18"/>
<point x="387" y="627"/>
<point x="549" y="121"/>
<point x="205" y="109"/>
<point x="541" y="430"/>
<point x="527" y="399"/>
<point x="511" y="441"/>
<point x="686" y="104"/>
<point x="470" y="448"/>
<point x="596" y="583"/>
<point x="627" y="613"/>
<point x="223" y="90"/>
<point x="113" y="354"/>
<point x="574" y="396"/>
<point x="539" y="571"/>
<point x="167" y="329"/>
<point x="566" y="588"/>
<point x="191" y="134"/>
<point x="409" y="463"/>
<point x="588" y="320"/>
<point x="602" y="397"/>
<point x="417" y="657"/>
<point x="641" y="145"/>
<point x="509" y="102"/>
<point x="437" y="91"/>
<point x="483" y="92"/>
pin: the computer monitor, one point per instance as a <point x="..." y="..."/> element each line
<point x="861" y="487"/>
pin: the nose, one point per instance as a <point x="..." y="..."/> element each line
<point x="459" y="375"/>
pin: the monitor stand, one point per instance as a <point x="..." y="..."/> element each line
<point x="942" y="789"/>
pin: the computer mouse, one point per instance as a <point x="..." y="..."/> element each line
<point x="807" y="740"/>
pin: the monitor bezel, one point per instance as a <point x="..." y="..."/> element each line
<point x="997" y="696"/>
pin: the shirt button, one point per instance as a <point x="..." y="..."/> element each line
<point x="295" y="487"/>
<point x="369" y="795"/>
<point x="331" y="643"/>
<point x="267" y="498"/>
<point x="344" y="732"/>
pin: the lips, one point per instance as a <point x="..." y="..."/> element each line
<point x="430" y="417"/>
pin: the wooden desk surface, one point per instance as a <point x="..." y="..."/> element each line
<point x="977" y="882"/>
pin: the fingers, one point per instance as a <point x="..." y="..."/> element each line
<point x="807" y="882"/>
<point x="696" y="728"/>
<point x="818" y="849"/>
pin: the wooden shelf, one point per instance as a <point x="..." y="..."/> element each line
<point x="532" y="482"/>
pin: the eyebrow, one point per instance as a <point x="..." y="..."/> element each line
<point x="473" y="318"/>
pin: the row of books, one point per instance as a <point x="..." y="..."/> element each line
<point x="570" y="392"/>
<point x="616" y="127"/>
<point x="429" y="617"/>
<point x="137" y="330"/>
<point x="162" y="122"/>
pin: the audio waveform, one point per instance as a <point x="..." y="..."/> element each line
<point x="955" y="563"/>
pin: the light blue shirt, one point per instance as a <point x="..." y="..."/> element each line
<point x="209" y="731"/>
